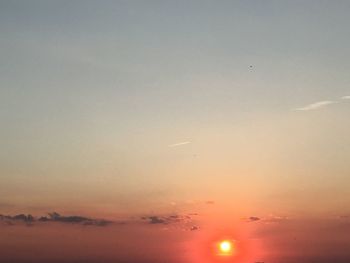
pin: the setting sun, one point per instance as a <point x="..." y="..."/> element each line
<point x="225" y="247"/>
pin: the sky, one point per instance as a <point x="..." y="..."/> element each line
<point x="180" y="123"/>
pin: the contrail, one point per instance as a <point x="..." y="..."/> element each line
<point x="178" y="144"/>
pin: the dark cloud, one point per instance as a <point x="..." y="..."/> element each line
<point x="156" y="220"/>
<point x="193" y="228"/>
<point x="269" y="219"/>
<point x="20" y="217"/>
<point x="184" y="222"/>
<point x="167" y="219"/>
<point x="253" y="218"/>
<point x="55" y="217"/>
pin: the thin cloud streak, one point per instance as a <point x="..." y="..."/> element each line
<point x="179" y="144"/>
<point x="316" y="105"/>
<point x="321" y="104"/>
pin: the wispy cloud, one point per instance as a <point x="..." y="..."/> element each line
<point x="268" y="219"/>
<point x="276" y="219"/>
<point x="316" y="105"/>
<point x="321" y="104"/>
<point x="179" y="144"/>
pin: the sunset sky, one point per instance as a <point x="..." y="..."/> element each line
<point x="171" y="125"/>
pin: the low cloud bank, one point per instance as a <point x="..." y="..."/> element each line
<point x="54" y="217"/>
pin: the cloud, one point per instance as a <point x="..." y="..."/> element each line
<point x="253" y="218"/>
<point x="75" y="219"/>
<point x="166" y="219"/>
<point x="19" y="217"/>
<point x="156" y="220"/>
<point x="183" y="222"/>
<point x="316" y="105"/>
<point x="321" y="104"/>
<point x="177" y="221"/>
<point x="276" y="219"/>
<point x="194" y="228"/>
<point x="179" y="144"/>
<point x="55" y="217"/>
<point x="268" y="219"/>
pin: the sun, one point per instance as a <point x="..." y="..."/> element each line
<point x="225" y="247"/>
